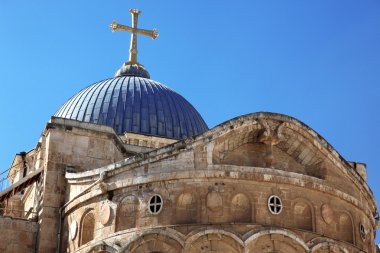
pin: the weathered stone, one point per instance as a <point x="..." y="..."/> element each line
<point x="215" y="192"/>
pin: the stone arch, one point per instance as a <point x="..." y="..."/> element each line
<point x="154" y="240"/>
<point x="241" y="147"/>
<point x="127" y="212"/>
<point x="213" y="240"/>
<point x="187" y="206"/>
<point x="101" y="248"/>
<point x="328" y="247"/>
<point x="276" y="241"/>
<point x="87" y="227"/>
<point x="303" y="212"/>
<point x="241" y="208"/>
<point x="346" y="227"/>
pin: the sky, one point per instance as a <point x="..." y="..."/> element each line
<point x="318" y="61"/>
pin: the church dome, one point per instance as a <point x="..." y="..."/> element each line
<point x="132" y="102"/>
<point x="135" y="104"/>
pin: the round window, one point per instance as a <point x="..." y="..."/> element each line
<point x="155" y="204"/>
<point x="362" y="232"/>
<point x="274" y="204"/>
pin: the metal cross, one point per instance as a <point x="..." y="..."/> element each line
<point x="134" y="30"/>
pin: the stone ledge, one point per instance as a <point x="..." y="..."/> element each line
<point x="244" y="175"/>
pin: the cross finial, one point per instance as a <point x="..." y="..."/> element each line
<point x="134" y="30"/>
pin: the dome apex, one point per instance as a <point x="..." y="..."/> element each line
<point x="132" y="69"/>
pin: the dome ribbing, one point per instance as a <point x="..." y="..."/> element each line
<point x="135" y="104"/>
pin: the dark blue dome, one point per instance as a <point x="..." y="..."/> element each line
<point x="135" y="104"/>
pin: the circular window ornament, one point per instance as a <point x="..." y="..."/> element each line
<point x="362" y="232"/>
<point x="155" y="204"/>
<point x="274" y="204"/>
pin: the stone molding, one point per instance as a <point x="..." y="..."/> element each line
<point x="271" y="175"/>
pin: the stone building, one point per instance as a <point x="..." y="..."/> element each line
<point x="128" y="165"/>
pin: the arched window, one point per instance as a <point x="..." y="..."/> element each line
<point x="87" y="228"/>
<point x="127" y="212"/>
<point x="346" y="228"/>
<point x="186" y="208"/>
<point x="303" y="216"/>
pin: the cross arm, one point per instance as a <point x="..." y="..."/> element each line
<point x="151" y="33"/>
<point x="118" y="27"/>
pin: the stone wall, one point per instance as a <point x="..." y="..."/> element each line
<point x="146" y="140"/>
<point x="237" y="205"/>
<point x="17" y="235"/>
<point x="74" y="146"/>
<point x="216" y="190"/>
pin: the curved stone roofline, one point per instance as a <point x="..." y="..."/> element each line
<point x="218" y="131"/>
<point x="280" y="117"/>
<point x="221" y="128"/>
<point x="215" y="130"/>
<point x="214" y="133"/>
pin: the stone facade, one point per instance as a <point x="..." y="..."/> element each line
<point x="18" y="235"/>
<point x="258" y="183"/>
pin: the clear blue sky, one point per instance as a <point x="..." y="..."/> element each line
<point x="318" y="61"/>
